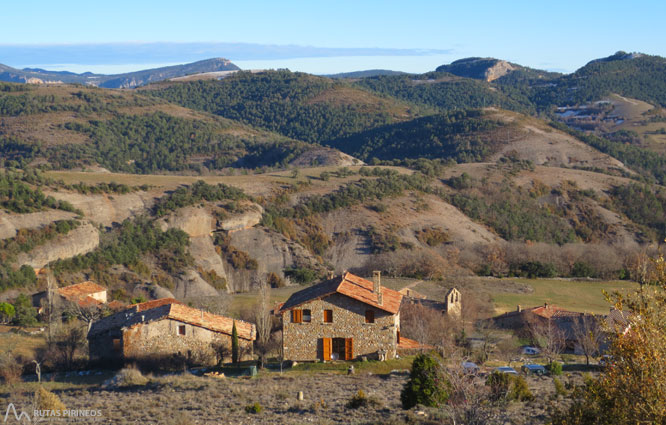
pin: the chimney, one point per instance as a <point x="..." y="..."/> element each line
<point x="545" y="305"/>
<point x="519" y="309"/>
<point x="331" y="274"/>
<point x="377" y="285"/>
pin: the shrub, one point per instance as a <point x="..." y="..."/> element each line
<point x="559" y="387"/>
<point x="555" y="368"/>
<point x="275" y="281"/>
<point x="361" y="399"/>
<point x="10" y="369"/>
<point x="301" y="275"/>
<point x="46" y="400"/>
<point x="254" y="408"/>
<point x="427" y="384"/>
<point x="7" y="312"/>
<point x="130" y="377"/>
<point x="499" y="384"/>
<point x="519" y="390"/>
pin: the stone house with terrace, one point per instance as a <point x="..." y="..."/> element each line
<point x="166" y="329"/>
<point x="343" y="318"/>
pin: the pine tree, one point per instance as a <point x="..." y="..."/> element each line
<point x="235" y="348"/>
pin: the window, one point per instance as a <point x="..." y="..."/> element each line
<point x="307" y="316"/>
<point x="369" y="316"/>
<point x="181" y="329"/>
<point x="328" y="316"/>
<point x="116" y="344"/>
<point x="296" y="316"/>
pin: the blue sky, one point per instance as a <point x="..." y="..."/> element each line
<point x="559" y="36"/>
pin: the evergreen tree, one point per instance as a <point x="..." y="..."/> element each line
<point x="235" y="348"/>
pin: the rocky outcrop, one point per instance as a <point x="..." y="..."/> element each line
<point x="153" y="291"/>
<point x="250" y="217"/>
<point x="108" y="209"/>
<point x="207" y="259"/>
<point x="273" y="253"/>
<point x="189" y="285"/>
<point x="500" y="69"/>
<point x="10" y="223"/>
<point x="194" y="221"/>
<point x="81" y="240"/>
<point x="324" y="157"/>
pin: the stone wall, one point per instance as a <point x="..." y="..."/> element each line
<point x="302" y="341"/>
<point x="160" y="339"/>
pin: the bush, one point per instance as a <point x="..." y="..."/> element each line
<point x="254" y="408"/>
<point x="361" y="399"/>
<point x="46" y="400"/>
<point x="10" y="369"/>
<point x="427" y="384"/>
<point x="519" y="390"/>
<point x="7" y="312"/>
<point x="559" y="387"/>
<point x="555" y="368"/>
<point x="130" y="377"/>
<point x="275" y="281"/>
<point x="26" y="314"/>
<point x="499" y="384"/>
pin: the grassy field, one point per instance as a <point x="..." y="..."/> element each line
<point x="585" y="296"/>
<point x="21" y="345"/>
<point x="507" y="293"/>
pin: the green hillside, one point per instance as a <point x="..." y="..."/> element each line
<point x="296" y="105"/>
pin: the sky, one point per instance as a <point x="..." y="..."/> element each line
<point x="324" y="37"/>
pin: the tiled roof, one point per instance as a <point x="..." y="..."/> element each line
<point x="170" y="308"/>
<point x="152" y="304"/>
<point x="80" y="290"/>
<point x="410" y="344"/>
<point x="352" y="286"/>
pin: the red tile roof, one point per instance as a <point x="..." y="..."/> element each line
<point x="352" y="286"/>
<point x="410" y="344"/>
<point x="80" y="290"/>
<point x="170" y="308"/>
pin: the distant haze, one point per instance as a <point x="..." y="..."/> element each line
<point x="125" y="57"/>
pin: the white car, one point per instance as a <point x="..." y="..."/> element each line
<point x="531" y="351"/>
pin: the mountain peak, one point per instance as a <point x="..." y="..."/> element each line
<point x="488" y="69"/>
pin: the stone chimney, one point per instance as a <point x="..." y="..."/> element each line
<point x="545" y="305"/>
<point x="331" y="274"/>
<point x="377" y="285"/>
<point x="519" y="308"/>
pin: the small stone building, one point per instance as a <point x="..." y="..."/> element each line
<point x="453" y="303"/>
<point x="166" y="328"/>
<point x="342" y="318"/>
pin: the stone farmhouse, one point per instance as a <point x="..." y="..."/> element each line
<point x="84" y="294"/>
<point x="343" y="318"/>
<point x="166" y="329"/>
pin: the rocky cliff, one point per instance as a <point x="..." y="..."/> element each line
<point x="81" y="240"/>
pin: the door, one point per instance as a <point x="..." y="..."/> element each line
<point x="349" y="349"/>
<point x="327" y="348"/>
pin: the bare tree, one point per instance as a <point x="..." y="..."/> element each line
<point x="86" y="313"/>
<point x="547" y="336"/>
<point x="469" y="402"/>
<point x="263" y="321"/>
<point x="489" y="338"/>
<point x="66" y="343"/>
<point x="588" y="335"/>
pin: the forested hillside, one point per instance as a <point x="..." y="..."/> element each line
<point x="300" y="106"/>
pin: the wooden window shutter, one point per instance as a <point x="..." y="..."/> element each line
<point x="328" y="316"/>
<point x="327" y="345"/>
<point x="296" y="316"/>
<point x="349" y="348"/>
<point x="398" y="337"/>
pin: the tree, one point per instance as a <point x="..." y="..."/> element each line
<point x="427" y="384"/>
<point x="7" y="312"/>
<point x="235" y="346"/>
<point x="25" y="313"/>
<point x="588" y="335"/>
<point x="264" y="323"/>
<point x="85" y="313"/>
<point x="632" y="389"/>
<point x="66" y="343"/>
<point x="547" y="336"/>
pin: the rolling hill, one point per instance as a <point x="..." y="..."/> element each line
<point x="126" y="80"/>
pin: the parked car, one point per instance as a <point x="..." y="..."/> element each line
<point x="533" y="369"/>
<point x="470" y="367"/>
<point x="507" y="369"/>
<point x="531" y="351"/>
<point x="606" y="360"/>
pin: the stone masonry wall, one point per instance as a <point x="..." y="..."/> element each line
<point x="161" y="338"/>
<point x="301" y="341"/>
